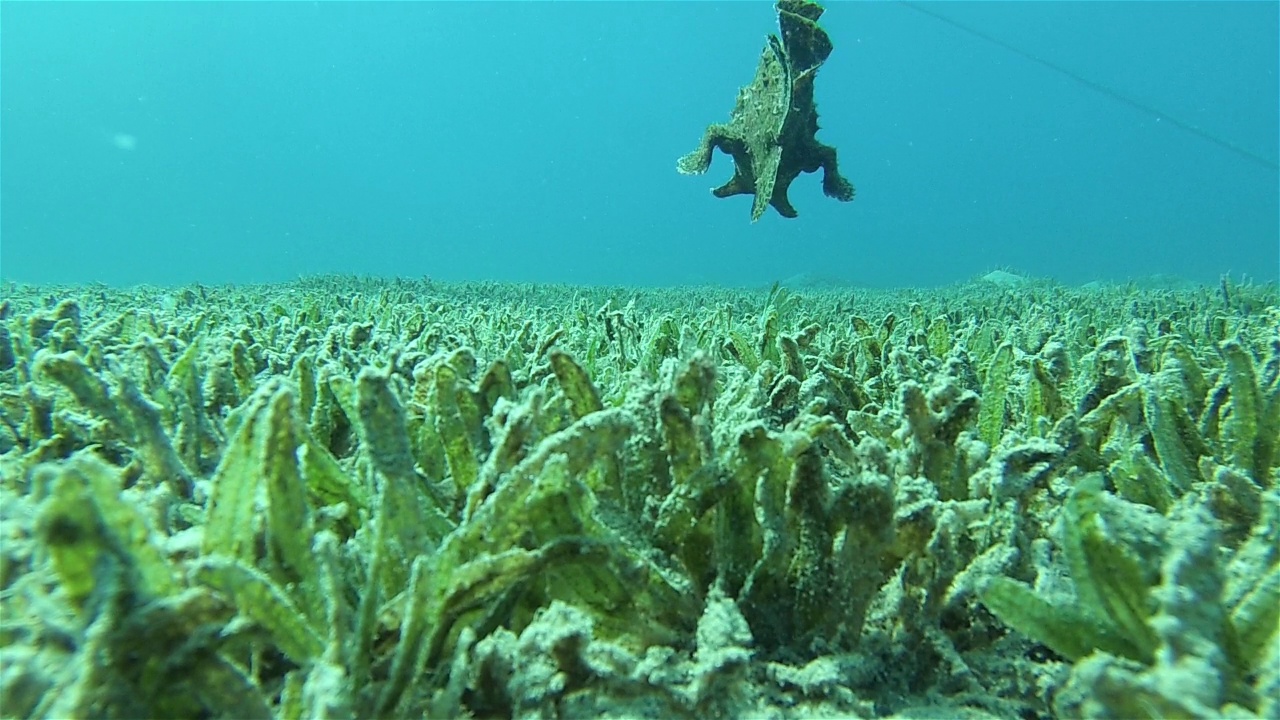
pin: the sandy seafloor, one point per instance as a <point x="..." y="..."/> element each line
<point x="352" y="497"/>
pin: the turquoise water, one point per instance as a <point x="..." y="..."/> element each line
<point x="535" y="141"/>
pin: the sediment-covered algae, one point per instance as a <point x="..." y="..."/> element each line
<point x="771" y="132"/>
<point x="351" y="498"/>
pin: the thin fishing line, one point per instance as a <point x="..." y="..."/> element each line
<point x="1103" y="89"/>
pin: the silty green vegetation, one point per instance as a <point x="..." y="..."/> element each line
<point x="359" y="498"/>
<point x="771" y="131"/>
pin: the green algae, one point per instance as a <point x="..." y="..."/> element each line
<point x="352" y="498"/>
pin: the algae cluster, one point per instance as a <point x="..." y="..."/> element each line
<point x="359" y="498"/>
<point x="771" y="133"/>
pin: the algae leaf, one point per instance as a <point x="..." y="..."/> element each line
<point x="84" y="518"/>
<point x="1059" y="625"/>
<point x="1108" y="577"/>
<point x="994" y="393"/>
<point x="266" y="603"/>
<point x="1113" y="601"/>
<point x="1256" y="619"/>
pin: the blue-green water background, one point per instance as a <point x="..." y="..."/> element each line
<point x="169" y="142"/>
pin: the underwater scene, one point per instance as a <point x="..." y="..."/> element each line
<point x="639" y="360"/>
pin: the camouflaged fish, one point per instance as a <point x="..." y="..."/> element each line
<point x="770" y="134"/>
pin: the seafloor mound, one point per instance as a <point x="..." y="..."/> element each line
<point x="355" y="498"/>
